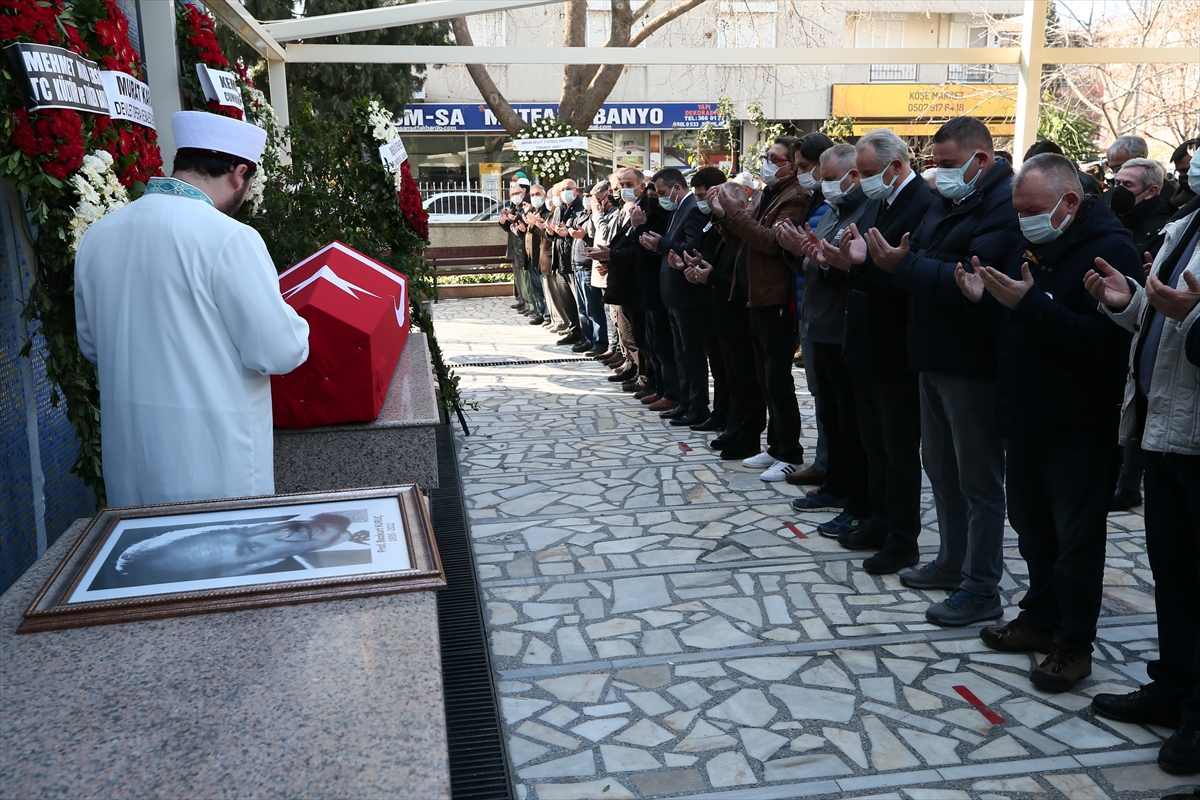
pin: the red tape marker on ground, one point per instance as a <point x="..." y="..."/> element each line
<point x="799" y="533"/>
<point x="686" y="449"/>
<point x="988" y="714"/>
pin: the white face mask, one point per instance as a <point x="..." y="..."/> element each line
<point x="833" y="189"/>
<point x="703" y="206"/>
<point x="874" y="187"/>
<point x="587" y="203"/>
<point x="629" y="195"/>
<point x="538" y="200"/>
<point x="769" y="172"/>
<point x="1039" y="229"/>
<point x="555" y="202"/>
<point x="807" y="181"/>
<point x="568" y="196"/>
<point x="1193" y="173"/>
<point x="950" y="183"/>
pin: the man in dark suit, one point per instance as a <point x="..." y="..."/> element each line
<point x="685" y="302"/>
<point x="887" y="399"/>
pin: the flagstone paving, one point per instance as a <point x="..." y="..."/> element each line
<point x="662" y="624"/>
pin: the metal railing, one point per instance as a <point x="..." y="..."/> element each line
<point x="893" y="73"/>
<point x="971" y="73"/>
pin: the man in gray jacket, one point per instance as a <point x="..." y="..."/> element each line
<point x="1162" y="406"/>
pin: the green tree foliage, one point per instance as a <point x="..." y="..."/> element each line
<point x="333" y="87"/>
<point x="1074" y="133"/>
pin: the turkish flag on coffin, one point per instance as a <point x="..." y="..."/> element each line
<point x="357" y="312"/>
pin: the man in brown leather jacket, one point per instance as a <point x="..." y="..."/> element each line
<point x="762" y="280"/>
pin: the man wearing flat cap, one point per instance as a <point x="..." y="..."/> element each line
<point x="179" y="307"/>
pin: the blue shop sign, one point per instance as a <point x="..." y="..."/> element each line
<point x="463" y="117"/>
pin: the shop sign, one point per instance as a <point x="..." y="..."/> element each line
<point x="449" y="117"/>
<point x="924" y="101"/>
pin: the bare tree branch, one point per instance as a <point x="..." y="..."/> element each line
<point x="509" y="119"/>
<point x="675" y="12"/>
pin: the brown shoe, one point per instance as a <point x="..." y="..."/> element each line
<point x="650" y="398"/>
<point x="809" y="476"/>
<point x="1062" y="669"/>
<point x="1016" y="637"/>
<point x="663" y="404"/>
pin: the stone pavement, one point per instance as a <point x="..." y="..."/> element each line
<point x="662" y="624"/>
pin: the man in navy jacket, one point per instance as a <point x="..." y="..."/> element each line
<point x="956" y="359"/>
<point x="1061" y="380"/>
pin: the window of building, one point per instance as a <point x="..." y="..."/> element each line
<point x="487" y="30"/>
<point x="972" y="32"/>
<point x="879" y="30"/>
<point x="746" y="23"/>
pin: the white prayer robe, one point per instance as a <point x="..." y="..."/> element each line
<point x="179" y="307"/>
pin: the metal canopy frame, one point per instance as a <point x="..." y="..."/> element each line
<point x="267" y="37"/>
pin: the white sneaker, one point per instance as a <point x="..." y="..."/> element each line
<point x="779" y="471"/>
<point x="760" y="461"/>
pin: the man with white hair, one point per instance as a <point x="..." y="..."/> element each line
<point x="1136" y="199"/>
<point x="1061" y="370"/>
<point x="179" y="307"/>
<point x="1123" y="149"/>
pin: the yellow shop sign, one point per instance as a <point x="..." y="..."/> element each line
<point x="917" y="101"/>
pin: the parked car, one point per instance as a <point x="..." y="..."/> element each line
<point x="461" y="207"/>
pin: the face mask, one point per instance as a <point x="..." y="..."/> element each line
<point x="950" y="183"/>
<point x="555" y="202"/>
<point x="703" y="206"/>
<point x="1122" y="200"/>
<point x="587" y="203"/>
<point x="568" y="196"/>
<point x="517" y="198"/>
<point x="1193" y="173"/>
<point x="629" y="195"/>
<point x="807" y="181"/>
<point x="1039" y="229"/>
<point x="538" y="201"/>
<point x="833" y="189"/>
<point x="874" y="187"/>
<point x="667" y="203"/>
<point x="769" y="170"/>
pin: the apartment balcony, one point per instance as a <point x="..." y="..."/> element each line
<point x="893" y="73"/>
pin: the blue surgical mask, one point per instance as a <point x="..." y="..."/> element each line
<point x="538" y="200"/>
<point x="703" y="206"/>
<point x="1039" y="229"/>
<point x="1193" y="173"/>
<point x="628" y="195"/>
<point x="874" y="187"/>
<point x="667" y="203"/>
<point x="950" y="183"/>
<point x="568" y="196"/>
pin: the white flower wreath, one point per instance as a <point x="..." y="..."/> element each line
<point x="99" y="193"/>
<point x="383" y="130"/>
<point x="548" y="163"/>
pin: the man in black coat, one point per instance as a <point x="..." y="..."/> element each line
<point x="1137" y="201"/>
<point x="956" y="359"/>
<point x="560" y="281"/>
<point x="1060" y="385"/>
<point x="685" y="303"/>
<point x="887" y="397"/>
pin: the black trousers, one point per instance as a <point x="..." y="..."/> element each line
<point x="689" y="333"/>
<point x="846" y="471"/>
<point x="1058" y="500"/>
<point x="1173" y="545"/>
<point x="661" y="345"/>
<point x="561" y="288"/>
<point x="720" y="379"/>
<point x="773" y="334"/>
<point x="747" y="415"/>
<point x="889" y="422"/>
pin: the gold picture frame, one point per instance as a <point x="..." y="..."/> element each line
<point x="202" y="557"/>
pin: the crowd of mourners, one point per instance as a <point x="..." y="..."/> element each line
<point x="1028" y="336"/>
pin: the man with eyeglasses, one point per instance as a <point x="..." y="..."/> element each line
<point x="761" y="274"/>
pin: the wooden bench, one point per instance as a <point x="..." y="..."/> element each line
<point x="489" y="259"/>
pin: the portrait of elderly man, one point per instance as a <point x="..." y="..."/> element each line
<point x="229" y="550"/>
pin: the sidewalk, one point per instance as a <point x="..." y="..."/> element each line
<point x="663" y="624"/>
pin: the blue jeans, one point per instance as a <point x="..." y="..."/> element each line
<point x="593" y="321"/>
<point x="538" y="291"/>
<point x="964" y="458"/>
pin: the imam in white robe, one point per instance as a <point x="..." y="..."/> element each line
<point x="179" y="307"/>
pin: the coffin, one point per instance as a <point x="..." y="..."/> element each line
<point x="358" y="317"/>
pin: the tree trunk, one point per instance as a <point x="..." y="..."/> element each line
<point x="509" y="119"/>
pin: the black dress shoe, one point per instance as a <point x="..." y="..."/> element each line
<point x="723" y="441"/>
<point x="582" y="347"/>
<point x="1138" y="707"/>
<point x="890" y="560"/>
<point x="1180" y="755"/>
<point x="710" y="424"/>
<point x="517" y="306"/>
<point x="674" y="413"/>
<point x="689" y="420"/>
<point x="569" y="340"/>
<point x="738" y="452"/>
<point x="645" y="391"/>
<point x="537" y="320"/>
<point x="1125" y="499"/>
<point x="621" y="377"/>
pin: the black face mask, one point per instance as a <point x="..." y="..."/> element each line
<point x="1122" y="201"/>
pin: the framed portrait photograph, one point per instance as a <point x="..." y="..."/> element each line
<point x="148" y="562"/>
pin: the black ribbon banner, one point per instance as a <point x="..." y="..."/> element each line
<point x="51" y="77"/>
